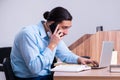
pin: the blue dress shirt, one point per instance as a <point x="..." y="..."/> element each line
<point x="30" y="56"/>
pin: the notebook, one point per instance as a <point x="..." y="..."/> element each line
<point x="106" y="54"/>
<point x="71" y="68"/>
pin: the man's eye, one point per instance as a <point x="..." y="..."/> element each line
<point x="65" y="27"/>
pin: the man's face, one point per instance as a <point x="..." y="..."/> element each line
<point x="64" y="26"/>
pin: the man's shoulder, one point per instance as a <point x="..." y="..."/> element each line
<point x="29" y="29"/>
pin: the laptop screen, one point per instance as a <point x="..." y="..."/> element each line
<point x="106" y="53"/>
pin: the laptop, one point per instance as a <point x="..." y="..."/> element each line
<point x="106" y="54"/>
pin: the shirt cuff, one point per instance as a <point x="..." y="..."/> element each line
<point x="49" y="55"/>
<point x="76" y="59"/>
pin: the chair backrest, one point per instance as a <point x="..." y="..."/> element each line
<point x="4" y="52"/>
<point x="8" y="69"/>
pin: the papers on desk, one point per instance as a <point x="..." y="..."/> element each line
<point x="71" y="68"/>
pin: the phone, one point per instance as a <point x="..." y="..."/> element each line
<point x="53" y="27"/>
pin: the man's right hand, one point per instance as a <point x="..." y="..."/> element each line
<point x="55" y="38"/>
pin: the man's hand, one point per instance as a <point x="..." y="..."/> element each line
<point x="87" y="61"/>
<point x="55" y="38"/>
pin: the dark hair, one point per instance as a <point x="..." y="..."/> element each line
<point x="57" y="14"/>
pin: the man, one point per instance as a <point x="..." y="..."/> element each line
<point x="36" y="46"/>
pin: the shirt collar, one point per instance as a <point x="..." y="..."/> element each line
<point x="42" y="29"/>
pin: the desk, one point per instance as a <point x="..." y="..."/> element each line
<point x="94" y="74"/>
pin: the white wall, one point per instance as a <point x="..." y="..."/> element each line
<point x="87" y="14"/>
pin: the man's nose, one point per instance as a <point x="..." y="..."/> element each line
<point x="65" y="32"/>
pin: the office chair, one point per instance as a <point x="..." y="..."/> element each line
<point x="4" y="52"/>
<point x="8" y="69"/>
